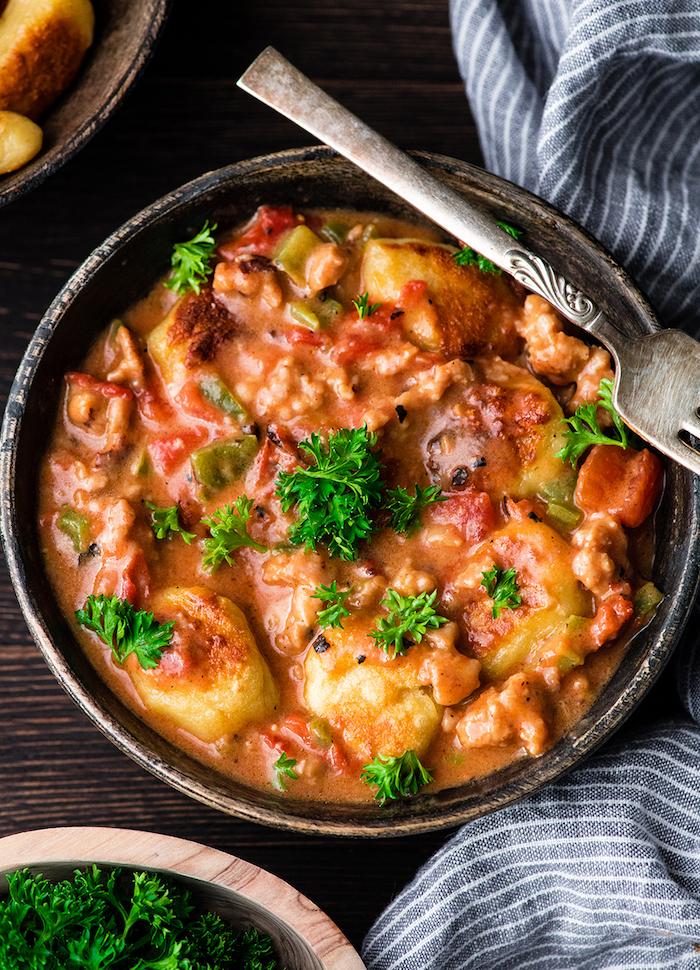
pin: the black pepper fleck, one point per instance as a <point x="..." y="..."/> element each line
<point x="459" y="477"/>
<point x="361" y="659"/>
<point x="320" y="644"/>
<point x="402" y="412"/>
<point x="273" y="436"/>
<point x="479" y="463"/>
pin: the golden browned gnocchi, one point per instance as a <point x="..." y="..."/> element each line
<point x="213" y="680"/>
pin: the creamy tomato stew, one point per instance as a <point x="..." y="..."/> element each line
<point x="333" y="475"/>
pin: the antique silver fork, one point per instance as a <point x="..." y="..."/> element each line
<point x="657" y="385"/>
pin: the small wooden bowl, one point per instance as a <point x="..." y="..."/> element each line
<point x="121" y="271"/>
<point x="125" y="34"/>
<point x="241" y="893"/>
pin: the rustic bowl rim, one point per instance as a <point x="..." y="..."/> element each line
<point x="79" y="846"/>
<point x="424" y="812"/>
<point x="23" y="180"/>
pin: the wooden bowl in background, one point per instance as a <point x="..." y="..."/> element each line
<point x="126" y="32"/>
<point x="241" y="893"/>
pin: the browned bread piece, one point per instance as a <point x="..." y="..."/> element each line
<point x="42" y="43"/>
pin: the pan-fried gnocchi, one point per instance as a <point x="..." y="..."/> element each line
<point x="310" y="511"/>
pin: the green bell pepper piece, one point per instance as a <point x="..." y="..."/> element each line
<point x="215" y="391"/>
<point x="76" y="527"/>
<point x="647" y="599"/>
<point x="223" y="462"/>
<point x="559" y="496"/>
<point x="334" y="232"/>
<point x="295" y="250"/>
<point x="304" y="315"/>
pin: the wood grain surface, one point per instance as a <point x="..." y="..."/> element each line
<point x="389" y="61"/>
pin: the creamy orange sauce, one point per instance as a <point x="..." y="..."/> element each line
<point x="464" y="381"/>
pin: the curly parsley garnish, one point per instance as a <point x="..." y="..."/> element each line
<point x="406" y="509"/>
<point x="334" y="497"/>
<point x="364" y="307"/>
<point x="284" y="766"/>
<point x="502" y="588"/>
<point x="165" y="523"/>
<point x="191" y="261"/>
<point x="228" y="532"/>
<point x="584" y="429"/>
<point x="335" y="611"/>
<point x="468" y="257"/>
<point x="395" y="777"/>
<point x="119" y="920"/>
<point x="409" y="617"/>
<point x="125" y="629"/>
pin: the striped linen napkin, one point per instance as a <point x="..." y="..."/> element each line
<point x="595" y="106"/>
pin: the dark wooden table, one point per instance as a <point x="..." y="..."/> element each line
<point x="391" y="62"/>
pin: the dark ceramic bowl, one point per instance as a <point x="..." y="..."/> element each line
<point x="124" y="269"/>
<point x="241" y="893"/>
<point x="125" y="34"/>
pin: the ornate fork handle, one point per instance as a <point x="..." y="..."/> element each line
<point x="537" y="275"/>
<point x="275" y="81"/>
<point x="278" y="83"/>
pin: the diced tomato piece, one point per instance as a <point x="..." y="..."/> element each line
<point x="268" y="737"/>
<point x="172" y="450"/>
<point x="134" y="581"/>
<point x="264" y="234"/>
<point x="190" y="399"/>
<point x="302" y="335"/>
<point x="413" y="294"/>
<point x="268" y="462"/>
<point x="354" y="346"/>
<point x="610" y="618"/>
<point x="337" y="759"/>
<point x="470" y="511"/>
<point x="367" y="335"/>
<point x="298" y="725"/>
<point x="622" y="481"/>
<point x="105" y="388"/>
<point x="152" y="407"/>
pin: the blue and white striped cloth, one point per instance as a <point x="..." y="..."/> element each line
<point x="595" y="106"/>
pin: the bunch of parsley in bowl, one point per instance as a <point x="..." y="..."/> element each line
<point x="109" y="898"/>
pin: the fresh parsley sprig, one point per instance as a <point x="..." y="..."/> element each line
<point x="136" y="921"/>
<point x="283" y="767"/>
<point x="585" y="431"/>
<point x="335" y="611"/>
<point x="395" y="777"/>
<point x="468" y="257"/>
<point x="410" y="617"/>
<point x="502" y="588"/>
<point x="364" y="307"/>
<point x="125" y="629"/>
<point x="405" y="509"/>
<point x="334" y="497"/>
<point x="165" y="523"/>
<point x="191" y="261"/>
<point x="228" y="532"/>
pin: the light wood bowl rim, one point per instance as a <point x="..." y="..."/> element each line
<point x="122" y="847"/>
